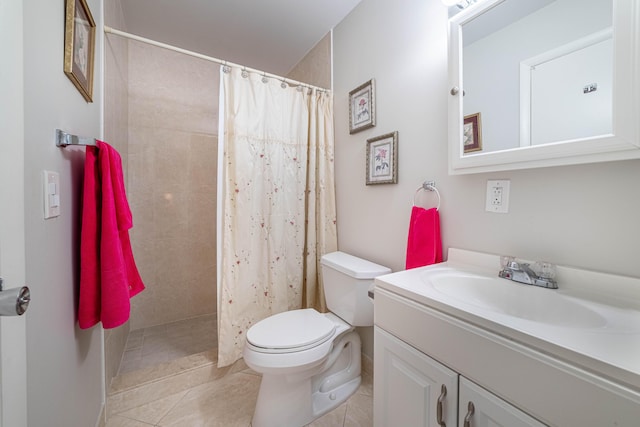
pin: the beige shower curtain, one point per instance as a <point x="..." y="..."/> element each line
<point x="278" y="202"/>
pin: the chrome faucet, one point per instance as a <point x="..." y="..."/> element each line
<point x="523" y="273"/>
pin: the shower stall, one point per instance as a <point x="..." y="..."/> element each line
<point x="161" y="114"/>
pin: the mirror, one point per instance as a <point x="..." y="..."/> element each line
<point x="543" y="83"/>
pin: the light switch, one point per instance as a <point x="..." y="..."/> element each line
<point x="51" y="194"/>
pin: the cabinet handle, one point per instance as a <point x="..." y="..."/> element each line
<point x="443" y="394"/>
<point x="467" y="419"/>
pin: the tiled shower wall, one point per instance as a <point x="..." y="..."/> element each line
<point x="172" y="159"/>
<point x="315" y="67"/>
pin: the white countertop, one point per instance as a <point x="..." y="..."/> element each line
<point x="607" y="344"/>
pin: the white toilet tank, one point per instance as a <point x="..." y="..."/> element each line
<point x="346" y="280"/>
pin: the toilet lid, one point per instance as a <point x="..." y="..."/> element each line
<point x="291" y="330"/>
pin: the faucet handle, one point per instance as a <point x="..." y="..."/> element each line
<point x="506" y="260"/>
<point x="544" y="269"/>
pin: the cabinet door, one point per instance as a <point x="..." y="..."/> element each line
<point x="480" y="408"/>
<point x="409" y="388"/>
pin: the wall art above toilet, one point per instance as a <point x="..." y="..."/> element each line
<point x="362" y="107"/>
<point x="382" y="159"/>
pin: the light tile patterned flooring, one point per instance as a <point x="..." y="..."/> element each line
<point x="191" y="391"/>
<point x="163" y="343"/>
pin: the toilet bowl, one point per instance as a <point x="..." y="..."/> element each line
<point x="310" y="361"/>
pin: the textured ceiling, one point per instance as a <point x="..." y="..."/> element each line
<point x="269" y="35"/>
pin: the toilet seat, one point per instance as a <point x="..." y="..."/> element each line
<point x="291" y="331"/>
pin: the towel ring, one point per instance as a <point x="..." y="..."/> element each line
<point x="429" y="186"/>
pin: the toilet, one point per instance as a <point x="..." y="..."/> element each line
<point x="310" y="361"/>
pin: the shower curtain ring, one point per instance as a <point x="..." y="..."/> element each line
<point x="245" y="73"/>
<point x="284" y="85"/>
<point x="225" y="68"/>
<point x="264" y="78"/>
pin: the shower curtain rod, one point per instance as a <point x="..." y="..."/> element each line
<point x="110" y="30"/>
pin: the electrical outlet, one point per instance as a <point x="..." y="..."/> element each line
<point x="498" y="196"/>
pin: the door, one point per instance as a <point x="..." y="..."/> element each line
<point x="480" y="408"/>
<point x="13" y="352"/>
<point x="410" y="388"/>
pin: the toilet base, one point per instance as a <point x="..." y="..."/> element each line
<point x="294" y="401"/>
<point x="325" y="402"/>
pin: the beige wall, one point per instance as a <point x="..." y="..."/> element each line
<point x="583" y="216"/>
<point x="315" y="67"/>
<point x="116" y="133"/>
<point x="173" y="100"/>
<point x="64" y="362"/>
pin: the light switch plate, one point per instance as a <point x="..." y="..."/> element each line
<point x="498" y="196"/>
<point x="51" y="194"/>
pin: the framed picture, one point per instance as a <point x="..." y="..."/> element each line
<point x="382" y="159"/>
<point x="79" y="46"/>
<point x="472" y="133"/>
<point x="362" y="107"/>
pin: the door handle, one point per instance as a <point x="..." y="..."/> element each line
<point x="14" y="301"/>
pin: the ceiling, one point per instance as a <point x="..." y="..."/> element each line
<point x="268" y="35"/>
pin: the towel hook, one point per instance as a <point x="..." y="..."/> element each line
<point x="429" y="186"/>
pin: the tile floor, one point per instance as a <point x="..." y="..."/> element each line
<point x="191" y="391"/>
<point x="163" y="343"/>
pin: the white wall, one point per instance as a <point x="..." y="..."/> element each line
<point x="583" y="216"/>
<point x="13" y="390"/>
<point x="64" y="363"/>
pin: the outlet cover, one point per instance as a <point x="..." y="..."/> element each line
<point x="498" y="196"/>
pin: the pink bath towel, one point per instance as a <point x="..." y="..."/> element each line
<point x="108" y="273"/>
<point x="424" y="246"/>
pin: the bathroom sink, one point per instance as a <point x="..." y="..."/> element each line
<point x="514" y="299"/>
<point x="591" y="320"/>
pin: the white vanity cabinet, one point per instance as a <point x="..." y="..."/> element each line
<point x="412" y="389"/>
<point x="510" y="383"/>
<point x="479" y="408"/>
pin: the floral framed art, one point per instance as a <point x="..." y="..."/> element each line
<point x="79" y="46"/>
<point x="472" y="133"/>
<point x="382" y="159"/>
<point x="362" y="107"/>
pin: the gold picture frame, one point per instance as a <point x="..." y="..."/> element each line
<point x="79" y="46"/>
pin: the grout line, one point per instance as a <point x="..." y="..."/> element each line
<point x="158" y="423"/>
<point x="344" y="420"/>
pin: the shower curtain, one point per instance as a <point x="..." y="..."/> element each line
<point x="277" y="197"/>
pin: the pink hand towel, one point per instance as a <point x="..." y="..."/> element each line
<point x="108" y="273"/>
<point x="424" y="246"/>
